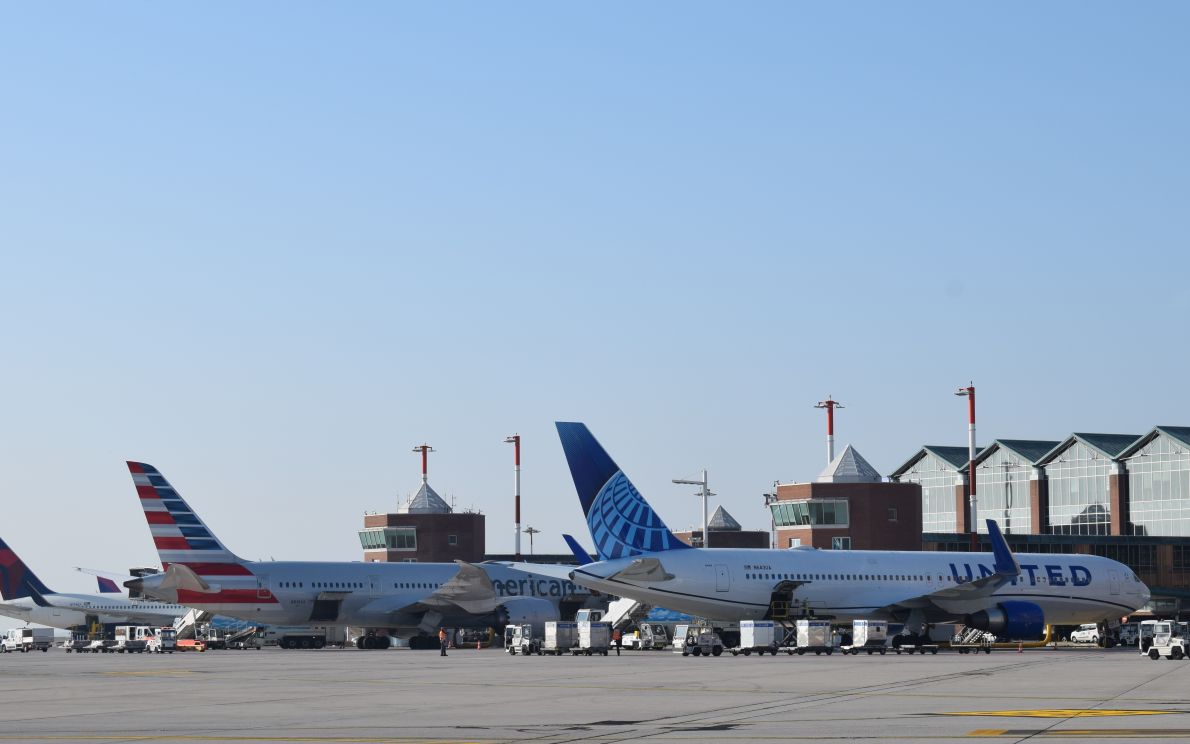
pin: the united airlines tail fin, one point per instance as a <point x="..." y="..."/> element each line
<point x="178" y="533"/>
<point x="621" y="522"/>
<point x="15" y="577"/>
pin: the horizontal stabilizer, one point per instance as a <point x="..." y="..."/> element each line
<point x="643" y="570"/>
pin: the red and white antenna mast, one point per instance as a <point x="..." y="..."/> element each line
<point x="425" y="450"/>
<point x="830" y="405"/>
<point x="969" y="393"/>
<point x="515" y="441"/>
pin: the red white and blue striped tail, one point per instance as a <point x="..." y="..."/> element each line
<point x="178" y="533"/>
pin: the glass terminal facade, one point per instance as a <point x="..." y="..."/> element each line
<point x="938" y="480"/>
<point x="1159" y="488"/>
<point x="1078" y="486"/>
<point x="1002" y="487"/>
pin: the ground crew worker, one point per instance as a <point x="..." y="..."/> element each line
<point x="616" y="640"/>
<point x="442" y="640"/>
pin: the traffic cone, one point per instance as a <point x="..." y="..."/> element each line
<point x="478" y="645"/>
<point x="1020" y="647"/>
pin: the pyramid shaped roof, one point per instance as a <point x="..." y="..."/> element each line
<point x="721" y="521"/>
<point x="425" y="501"/>
<point x="849" y="467"/>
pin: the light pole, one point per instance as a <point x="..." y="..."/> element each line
<point x="705" y="493"/>
<point x="531" y="531"/>
<point x="425" y="450"/>
<point x="769" y="500"/>
<point x="969" y="393"/>
<point x="830" y="405"/>
<point x="515" y="441"/>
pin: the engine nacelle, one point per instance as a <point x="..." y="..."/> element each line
<point x="532" y="610"/>
<point x="1016" y="621"/>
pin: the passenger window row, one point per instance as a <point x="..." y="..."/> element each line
<point x="354" y="585"/>
<point x="839" y="577"/>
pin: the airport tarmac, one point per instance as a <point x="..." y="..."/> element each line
<point x="487" y="696"/>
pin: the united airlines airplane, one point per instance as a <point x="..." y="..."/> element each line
<point x="404" y="599"/>
<point x="1012" y="596"/>
<point x="27" y="599"/>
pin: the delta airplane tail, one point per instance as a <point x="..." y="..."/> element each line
<point x="16" y="579"/>
<point x="180" y="536"/>
<point x="621" y="522"/>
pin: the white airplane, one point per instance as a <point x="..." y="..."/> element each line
<point x="27" y="599"/>
<point x="1012" y="596"/>
<point x="408" y="600"/>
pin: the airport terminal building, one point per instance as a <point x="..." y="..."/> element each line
<point x="1122" y="496"/>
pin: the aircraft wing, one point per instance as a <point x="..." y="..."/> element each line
<point x="1006" y="569"/>
<point x="470" y="590"/>
<point x="12" y="609"/>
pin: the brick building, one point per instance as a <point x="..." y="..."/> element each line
<point x="425" y="530"/>
<point x="726" y="532"/>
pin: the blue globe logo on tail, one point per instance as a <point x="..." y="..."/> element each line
<point x="621" y="522"/>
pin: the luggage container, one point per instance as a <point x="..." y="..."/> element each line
<point x="757" y="635"/>
<point x="867" y="635"/>
<point x="594" y="638"/>
<point x="814" y="635"/>
<point x="560" y="638"/>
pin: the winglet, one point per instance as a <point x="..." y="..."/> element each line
<point x="1006" y="564"/>
<point x="38" y="599"/>
<point x="582" y="556"/>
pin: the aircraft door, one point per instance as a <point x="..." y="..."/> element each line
<point x="1114" y="577"/>
<point x="722" y="578"/>
<point x="262" y="587"/>
<point x="374" y="585"/>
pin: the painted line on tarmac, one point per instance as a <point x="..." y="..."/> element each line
<point x="1079" y="734"/>
<point x="199" y="737"/>
<point x="1060" y="713"/>
<point x="152" y="673"/>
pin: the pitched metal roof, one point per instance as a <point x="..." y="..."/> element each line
<point x="721" y="521"/>
<point x="1179" y="433"/>
<point x="425" y="501"/>
<point x="956" y="457"/>
<point x="1109" y="445"/>
<point x="1032" y="450"/>
<point x="849" y="466"/>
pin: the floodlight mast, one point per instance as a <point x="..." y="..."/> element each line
<point x="969" y="393"/>
<point x="424" y="449"/>
<point x="705" y="493"/>
<point x="515" y="441"/>
<point x="830" y="405"/>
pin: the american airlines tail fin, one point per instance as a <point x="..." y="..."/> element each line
<point x="15" y="577"/>
<point x="621" y="522"/>
<point x="178" y="533"/>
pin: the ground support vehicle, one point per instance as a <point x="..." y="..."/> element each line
<point x="522" y="641"/>
<point x="1165" y="639"/>
<point x="77" y="642"/>
<point x="757" y="635"/>
<point x="647" y="637"/>
<point x="164" y="641"/>
<point x="560" y="638"/>
<point x="920" y="648"/>
<point x="867" y="635"/>
<point x="99" y="646"/>
<point x="814" y="635"/>
<point x="1085" y="633"/>
<point x="972" y="639"/>
<point x="702" y="641"/>
<point x="131" y="639"/>
<point x="594" y="638"/>
<point x="27" y="639"/>
<point x="191" y="644"/>
<point x="316" y="636"/>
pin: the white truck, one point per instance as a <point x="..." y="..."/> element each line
<point x="867" y="635"/>
<point x="560" y="638"/>
<point x="163" y="641"/>
<point x="757" y="635"/>
<point x="132" y="639"/>
<point x="27" y="639"/>
<point x="647" y="637"/>
<point x="816" y="636"/>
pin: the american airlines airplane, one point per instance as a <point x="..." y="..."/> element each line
<point x="408" y="600"/>
<point x="1012" y="596"/>
<point x="27" y="599"/>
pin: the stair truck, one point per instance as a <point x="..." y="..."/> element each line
<point x="757" y="635"/>
<point x="867" y="635"/>
<point x="816" y="636"/>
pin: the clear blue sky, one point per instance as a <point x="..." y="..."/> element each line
<point x="269" y="247"/>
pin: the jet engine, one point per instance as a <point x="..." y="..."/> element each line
<point x="532" y="610"/>
<point x="1017" y="621"/>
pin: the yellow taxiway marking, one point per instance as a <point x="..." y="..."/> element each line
<point x="1080" y="734"/>
<point x="152" y="673"/>
<point x="1061" y="713"/>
